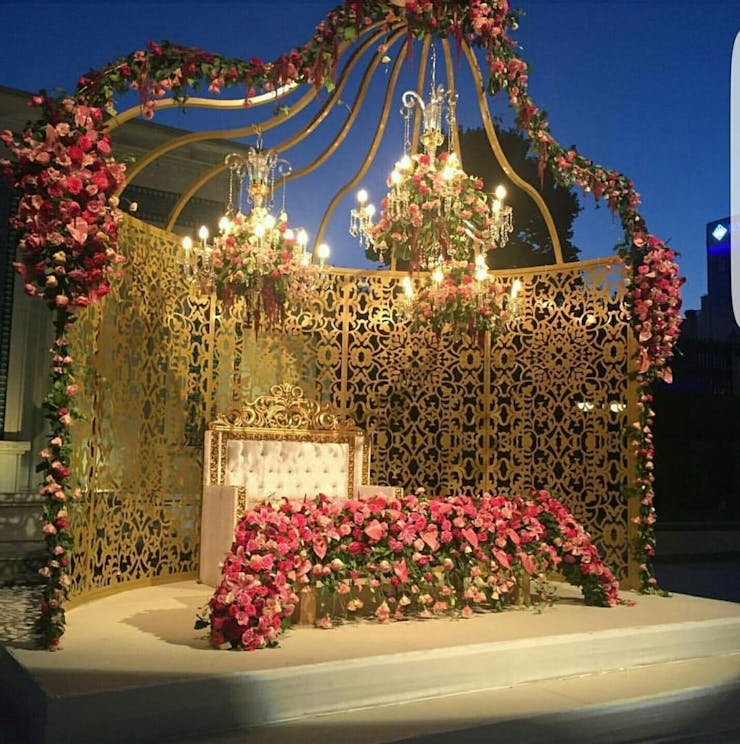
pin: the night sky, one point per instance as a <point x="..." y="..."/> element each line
<point x="639" y="87"/>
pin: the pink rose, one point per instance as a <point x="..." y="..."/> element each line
<point x="375" y="530"/>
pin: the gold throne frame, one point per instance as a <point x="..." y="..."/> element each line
<point x="282" y="415"/>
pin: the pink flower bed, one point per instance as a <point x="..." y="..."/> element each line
<point x="420" y="557"/>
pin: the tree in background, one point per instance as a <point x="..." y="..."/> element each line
<point x="529" y="244"/>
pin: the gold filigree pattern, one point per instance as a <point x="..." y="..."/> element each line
<point x="542" y="406"/>
<point x="285" y="407"/>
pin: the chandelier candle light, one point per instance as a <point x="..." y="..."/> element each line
<point x="255" y="254"/>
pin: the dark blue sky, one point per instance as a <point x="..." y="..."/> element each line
<point x="641" y="87"/>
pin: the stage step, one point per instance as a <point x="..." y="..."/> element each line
<point x="136" y="674"/>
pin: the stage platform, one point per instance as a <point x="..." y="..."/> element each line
<point x="133" y="669"/>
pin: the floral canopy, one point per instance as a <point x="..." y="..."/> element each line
<point x="68" y="212"/>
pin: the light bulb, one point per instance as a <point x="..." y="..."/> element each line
<point x="516" y="287"/>
<point x="408" y="287"/>
<point x="323" y="252"/>
<point x="362" y="196"/>
<point x="259" y="230"/>
<point x="187" y="243"/>
<point x="395" y="177"/>
<point x="203" y="233"/>
<point x="269" y="222"/>
<point x="404" y="163"/>
<point x="302" y="238"/>
<point x="370" y="210"/>
<point x="500" y="192"/>
<point x="289" y="236"/>
<point x="480" y="261"/>
<point x="224" y="224"/>
<point x="438" y="275"/>
<point x="481" y="274"/>
<point x="448" y="173"/>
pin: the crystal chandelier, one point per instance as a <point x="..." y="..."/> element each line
<point x="250" y="236"/>
<point x="255" y="254"/>
<point x="433" y="211"/>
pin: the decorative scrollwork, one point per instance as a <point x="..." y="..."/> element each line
<point x="285" y="407"/>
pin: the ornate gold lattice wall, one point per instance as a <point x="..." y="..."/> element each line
<point x="542" y="406"/>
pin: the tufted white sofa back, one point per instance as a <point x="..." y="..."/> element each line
<point x="280" y="468"/>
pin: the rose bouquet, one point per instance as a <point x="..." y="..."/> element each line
<point x="419" y="557"/>
<point x="433" y="208"/>
<point x="461" y="299"/>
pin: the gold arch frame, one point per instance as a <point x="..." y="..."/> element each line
<point x="368" y="38"/>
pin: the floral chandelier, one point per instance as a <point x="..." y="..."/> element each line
<point x="255" y="254"/>
<point x="433" y="211"/>
<point x="437" y="218"/>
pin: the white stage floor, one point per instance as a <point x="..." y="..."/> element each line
<point x="133" y="668"/>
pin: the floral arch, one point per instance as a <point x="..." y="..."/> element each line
<point x="68" y="216"/>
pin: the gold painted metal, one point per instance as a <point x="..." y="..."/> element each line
<point x="159" y="360"/>
<point x="530" y="190"/>
<point x="351" y="119"/>
<point x="284" y="408"/>
<point x="372" y="150"/>
<point x="532" y="408"/>
<point x="306" y="131"/>
<point x="224" y="104"/>
<point x="191" y="137"/>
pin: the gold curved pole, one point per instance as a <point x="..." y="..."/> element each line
<point x="196" y="102"/>
<point x="354" y="113"/>
<point x="372" y="151"/>
<point x="503" y="161"/>
<point x="212" y="172"/>
<point x="187" y="195"/>
<point x="187" y="139"/>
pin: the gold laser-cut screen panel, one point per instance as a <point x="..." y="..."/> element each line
<point x="542" y="406"/>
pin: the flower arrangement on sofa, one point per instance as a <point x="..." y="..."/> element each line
<point x="261" y="258"/>
<point x="433" y="208"/>
<point x="462" y="299"/>
<point x="421" y="557"/>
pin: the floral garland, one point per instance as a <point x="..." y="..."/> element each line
<point x="69" y="253"/>
<point x="461" y="301"/>
<point x="443" y="208"/>
<point x="455" y="555"/>
<point x="67" y="223"/>
<point x="261" y="259"/>
<point x="68" y="216"/>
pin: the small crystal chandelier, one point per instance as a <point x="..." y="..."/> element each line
<point x="433" y="211"/>
<point x="248" y="222"/>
